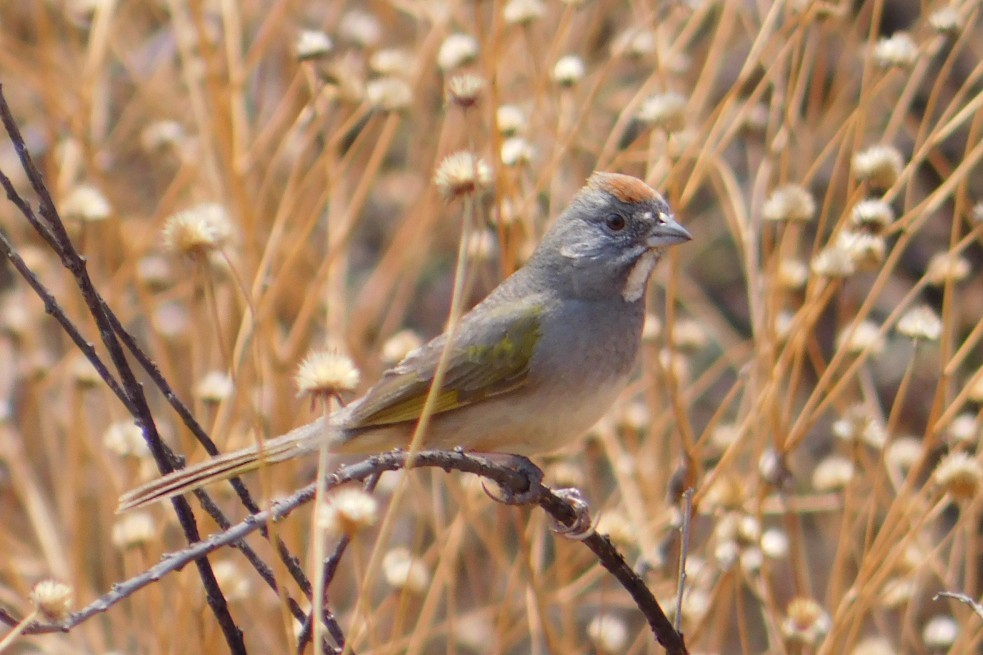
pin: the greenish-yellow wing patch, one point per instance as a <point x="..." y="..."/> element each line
<point x="491" y="356"/>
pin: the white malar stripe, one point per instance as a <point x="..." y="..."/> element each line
<point x="638" y="277"/>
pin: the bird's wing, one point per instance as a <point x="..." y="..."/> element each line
<point x="490" y="356"/>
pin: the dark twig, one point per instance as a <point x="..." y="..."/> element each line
<point x="962" y="598"/>
<point x="506" y="477"/>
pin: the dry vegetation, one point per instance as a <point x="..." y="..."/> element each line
<point x="812" y="368"/>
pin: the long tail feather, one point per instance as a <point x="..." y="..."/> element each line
<point x="230" y="465"/>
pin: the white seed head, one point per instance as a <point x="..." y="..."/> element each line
<point x="482" y="245"/>
<point x="325" y="373"/>
<point x="872" y="215"/>
<point x="86" y="203"/>
<point x="896" y="51"/>
<point x="833" y="262"/>
<point x="235" y="583"/>
<point x="124" y="438"/>
<point x="897" y="592"/>
<point x="879" y="166"/>
<point x="523" y="12"/>
<point x="312" y="44"/>
<point x="920" y="322"/>
<point x="861" y="337"/>
<point x="833" y="473"/>
<point x="805" y="621"/>
<point x="635" y="43"/>
<point x="965" y="429"/>
<point x="510" y="120"/>
<point x="465" y="90"/>
<point x="214" y="387"/>
<point x="940" y="632"/>
<point x="403" y="571"/>
<point x="904" y="452"/>
<point x="857" y="425"/>
<point x="617" y="527"/>
<point x="873" y="646"/>
<point x="197" y="231"/>
<point x="388" y="94"/>
<point x="792" y="274"/>
<point x="664" y="110"/>
<point x="360" y="28"/>
<point x="946" y="20"/>
<point x="946" y="267"/>
<point x="959" y="474"/>
<point x="392" y="62"/>
<point x="516" y="151"/>
<point x="347" y="511"/>
<point x="53" y="599"/>
<point x="568" y="70"/>
<point x="134" y="529"/>
<point x="399" y="346"/>
<point x="865" y="249"/>
<point x="608" y="633"/>
<point x="775" y="543"/>
<point x="789" y="202"/>
<point x="460" y="174"/>
<point x="457" y="50"/>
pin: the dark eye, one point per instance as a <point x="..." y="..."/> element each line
<point x="615" y="223"/>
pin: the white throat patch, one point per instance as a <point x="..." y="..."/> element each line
<point x="639" y="276"/>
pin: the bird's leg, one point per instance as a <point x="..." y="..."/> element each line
<point x="522" y="465"/>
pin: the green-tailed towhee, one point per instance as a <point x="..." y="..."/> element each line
<point x="532" y="367"/>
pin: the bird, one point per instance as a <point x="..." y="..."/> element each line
<point x="530" y="368"/>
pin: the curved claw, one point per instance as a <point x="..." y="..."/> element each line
<point x="524" y="466"/>
<point x="509" y="497"/>
<point x="582" y="526"/>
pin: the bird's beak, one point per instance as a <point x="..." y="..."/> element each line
<point x="667" y="233"/>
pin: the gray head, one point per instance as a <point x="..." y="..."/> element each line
<point x="608" y="240"/>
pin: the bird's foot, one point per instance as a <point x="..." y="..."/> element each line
<point x="582" y="527"/>
<point x="524" y="466"/>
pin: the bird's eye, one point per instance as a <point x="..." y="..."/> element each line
<point x="615" y="223"/>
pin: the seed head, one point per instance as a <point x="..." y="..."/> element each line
<point x="510" y="120"/>
<point x="792" y="274"/>
<point x="774" y="543"/>
<point x="833" y="261"/>
<point x="403" y="571"/>
<point x="790" y="202"/>
<point x="904" y="452"/>
<point x="461" y="174"/>
<point x="214" y="387"/>
<point x="465" y="90"/>
<point x="348" y="511"/>
<point x="946" y="20"/>
<point x="388" y="94"/>
<point x="635" y="43"/>
<point x="399" y="346"/>
<point x="516" y="151"/>
<point x="940" y="632"/>
<point x="832" y="474"/>
<point x="360" y="28"/>
<point x="965" y="430"/>
<point x="664" y="110"/>
<point x="858" y="426"/>
<point x="312" y="44"/>
<point x="896" y="51"/>
<point x="959" y="474"/>
<point x="878" y="166"/>
<point x="86" y="203"/>
<point x="865" y="249"/>
<point x="456" y="51"/>
<point x="133" y="530"/>
<point x="392" y="62"/>
<point x="325" y="374"/>
<point x="568" y="70"/>
<point x="523" y="12"/>
<point x="608" y="633"/>
<point x="805" y="621"/>
<point x="861" y="337"/>
<point x="53" y="599"/>
<point x="874" y="646"/>
<point x="617" y="527"/>
<point x="161" y="135"/>
<point x="872" y="215"/>
<point x="920" y="323"/>
<point x="197" y="231"/>
<point x="945" y="267"/>
<point x="124" y="438"/>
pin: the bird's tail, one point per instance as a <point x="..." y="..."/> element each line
<point x="223" y="467"/>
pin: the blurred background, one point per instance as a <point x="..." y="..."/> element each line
<point x="812" y="362"/>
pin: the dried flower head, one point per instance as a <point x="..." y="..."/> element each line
<point x="878" y="166"/>
<point x="618" y="528"/>
<point x="896" y="51"/>
<point x="959" y="474"/>
<point x="510" y="120"/>
<point x="833" y="262"/>
<point x="403" y="571"/>
<point x="789" y="202"/>
<point x="965" y="429"/>
<point x="857" y="425"/>
<point x="214" y="387"/>
<point x="124" y="438"/>
<point x="904" y="452"/>
<point x="461" y="174"/>
<point x="86" y="203"/>
<point x="326" y="374"/>
<point x="976" y="213"/>
<point x="360" y="28"/>
<point x="861" y="337"/>
<point x="568" y="70"/>
<point x="523" y="12"/>
<point x="792" y="274"/>
<point x="832" y="473"/>
<point x="392" y="62"/>
<point x="456" y="51"/>
<point x="805" y="621"/>
<point x="651" y="328"/>
<point x="872" y="215"/>
<point x="774" y="543"/>
<point x="53" y="599"/>
<point x="234" y="582"/>
<point x="873" y="646"/>
<point x="946" y="20"/>
<point x="865" y="249"/>
<point x="608" y="633"/>
<point x="482" y="245"/>
<point x="664" y="110"/>
<point x="312" y="44"/>
<point x="400" y="345"/>
<point x="635" y="42"/>
<point x="160" y="135"/>
<point x="920" y="322"/>
<point x="465" y="90"/>
<point x="897" y="592"/>
<point x="133" y="530"/>
<point x="940" y="632"/>
<point x="347" y="511"/>
<point x="946" y="267"/>
<point x="516" y="151"/>
<point x="388" y="94"/>
<point x="197" y="231"/>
